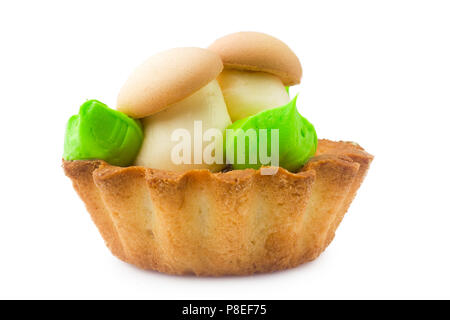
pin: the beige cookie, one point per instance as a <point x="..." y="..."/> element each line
<point x="167" y="78"/>
<point x="255" y="51"/>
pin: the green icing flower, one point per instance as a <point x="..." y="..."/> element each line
<point x="98" y="132"/>
<point x="297" y="138"/>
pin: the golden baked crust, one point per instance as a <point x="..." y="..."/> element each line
<point x="355" y="152"/>
<point x="255" y="51"/>
<point x="213" y="224"/>
<point x="166" y="78"/>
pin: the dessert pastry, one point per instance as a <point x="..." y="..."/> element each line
<point x="229" y="216"/>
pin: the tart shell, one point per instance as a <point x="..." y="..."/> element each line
<point x="213" y="224"/>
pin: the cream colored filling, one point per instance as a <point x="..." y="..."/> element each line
<point x="247" y="93"/>
<point x="206" y="105"/>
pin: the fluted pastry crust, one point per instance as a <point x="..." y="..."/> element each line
<point x="213" y="224"/>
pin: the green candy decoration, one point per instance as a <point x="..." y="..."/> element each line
<point x="297" y="137"/>
<point x="98" y="132"/>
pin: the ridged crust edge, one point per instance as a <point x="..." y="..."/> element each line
<point x="213" y="224"/>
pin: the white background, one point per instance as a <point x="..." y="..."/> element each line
<point x="375" y="72"/>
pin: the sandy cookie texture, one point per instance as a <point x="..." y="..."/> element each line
<point x="213" y="224"/>
<point x="255" y="51"/>
<point x="166" y="78"/>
